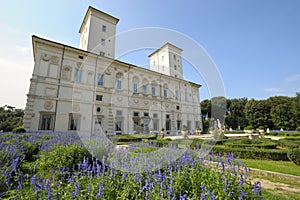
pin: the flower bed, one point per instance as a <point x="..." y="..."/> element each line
<point x="77" y="175"/>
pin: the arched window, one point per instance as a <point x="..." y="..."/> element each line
<point x="145" y="86"/>
<point x="119" y="81"/>
<point x="153" y="88"/>
<point x="165" y="91"/>
<point x="135" y="81"/>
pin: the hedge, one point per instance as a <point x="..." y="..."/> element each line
<point x="259" y="154"/>
<point x="135" y="138"/>
<point x="283" y="133"/>
<point x="245" y="146"/>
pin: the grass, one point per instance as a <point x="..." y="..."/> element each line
<point x="270" y="195"/>
<point x="285" y="167"/>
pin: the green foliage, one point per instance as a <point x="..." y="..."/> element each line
<point x="258" y="113"/>
<point x="282" y="112"/>
<point x="283" y="133"/>
<point x="10" y="118"/>
<point x="259" y="154"/>
<point x="134" y="137"/>
<point x="248" y="127"/>
<point x="235" y="117"/>
<point x="261" y="128"/>
<point x="294" y="155"/>
<point x="19" y="129"/>
<point x="61" y="156"/>
<point x="31" y="149"/>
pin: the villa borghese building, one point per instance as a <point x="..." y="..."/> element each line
<point x="86" y="89"/>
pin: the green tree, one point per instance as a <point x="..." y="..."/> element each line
<point x="10" y="118"/>
<point x="235" y="117"/>
<point x="257" y="113"/>
<point x="218" y="108"/>
<point x="296" y="109"/>
<point x="205" y="108"/>
<point x="282" y="112"/>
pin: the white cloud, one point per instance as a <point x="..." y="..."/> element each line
<point x="24" y="50"/>
<point x="273" y="90"/>
<point x="293" y="78"/>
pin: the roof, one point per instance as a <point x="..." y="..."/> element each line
<point x="63" y="46"/>
<point x="96" y="11"/>
<point x="164" y="46"/>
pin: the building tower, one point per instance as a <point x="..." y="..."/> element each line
<point x="97" y="33"/>
<point x="167" y="60"/>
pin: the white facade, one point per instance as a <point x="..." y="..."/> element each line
<point x="97" y="33"/>
<point x="80" y="89"/>
<point x="167" y="60"/>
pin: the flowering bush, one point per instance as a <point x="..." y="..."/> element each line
<point x="192" y="176"/>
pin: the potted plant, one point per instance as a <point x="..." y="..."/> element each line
<point x="261" y="129"/>
<point x="248" y="129"/>
<point x="198" y="131"/>
<point x="184" y="131"/>
<point x="162" y="132"/>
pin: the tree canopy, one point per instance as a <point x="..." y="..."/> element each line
<point x="278" y="112"/>
<point x="10" y="118"/>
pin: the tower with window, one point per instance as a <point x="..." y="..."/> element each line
<point x="97" y="33"/>
<point x="167" y="60"/>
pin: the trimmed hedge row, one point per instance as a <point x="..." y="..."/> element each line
<point x="245" y="146"/>
<point x="260" y="154"/>
<point x="283" y="133"/>
<point x="135" y="138"/>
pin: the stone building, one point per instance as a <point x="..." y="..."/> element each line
<point x="86" y="89"/>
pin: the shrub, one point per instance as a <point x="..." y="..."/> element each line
<point x="294" y="155"/>
<point x="19" y="129"/>
<point x="62" y="156"/>
<point x="261" y="128"/>
<point x="298" y="128"/>
<point x="248" y="127"/>
<point x="30" y="149"/>
<point x="258" y="154"/>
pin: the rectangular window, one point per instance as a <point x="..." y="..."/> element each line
<point x="135" y="88"/>
<point x="102" y="53"/>
<point x="100" y="80"/>
<point x="46" y="121"/>
<point x="168" y="116"/>
<point x="165" y="92"/>
<point x="145" y="89"/>
<point x="178" y="124"/>
<point x="175" y="67"/>
<point x="177" y="94"/>
<point x="174" y="57"/>
<point x="74" y="122"/>
<point x="155" y="115"/>
<point x="119" y="113"/>
<point x="177" y="107"/>
<point x="119" y="84"/>
<point x="189" y="125"/>
<point x="153" y="89"/>
<point x="136" y="114"/>
<point x="103" y="28"/>
<point x="146" y="114"/>
<point x="78" y="75"/>
<point x="118" y="125"/>
<point x="99" y="97"/>
<point x="136" y="124"/>
<point x="103" y="42"/>
<point x="155" y="124"/>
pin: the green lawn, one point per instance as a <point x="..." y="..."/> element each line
<point x="285" y="167"/>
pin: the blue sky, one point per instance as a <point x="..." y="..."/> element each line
<point x="254" y="44"/>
